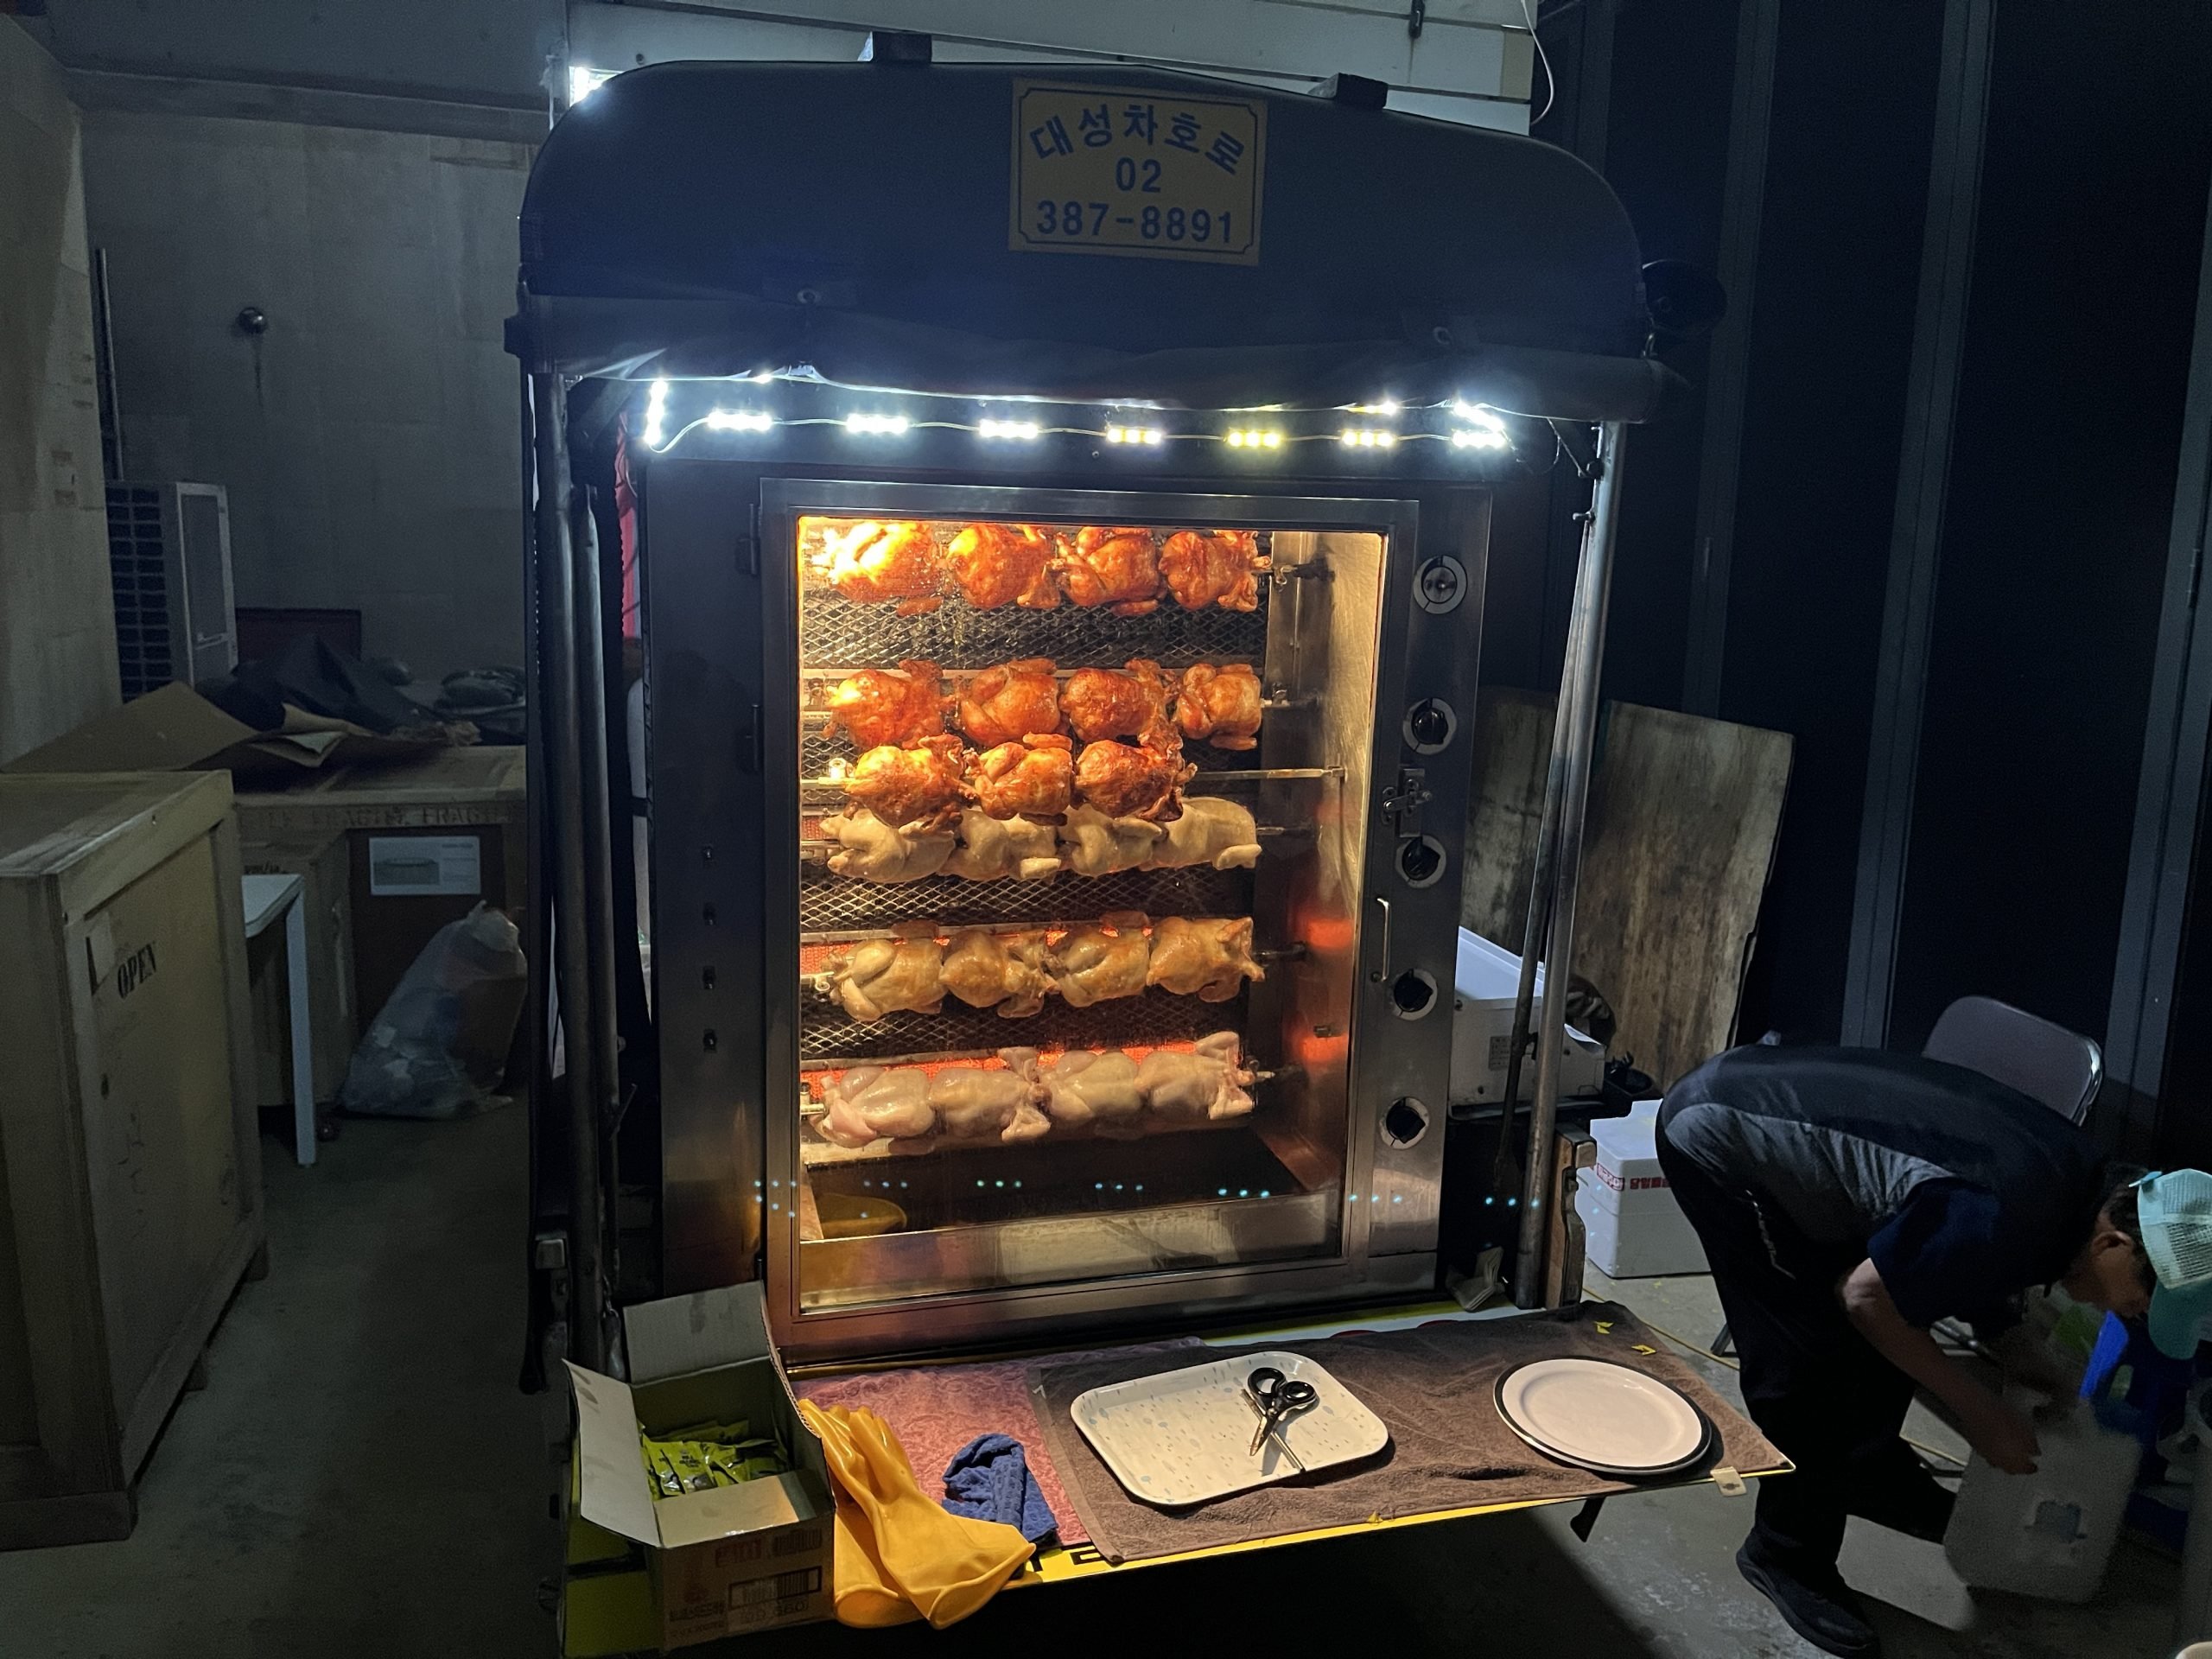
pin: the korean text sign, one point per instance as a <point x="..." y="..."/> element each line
<point x="1116" y="170"/>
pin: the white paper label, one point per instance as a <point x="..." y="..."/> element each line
<point x="425" y="864"/>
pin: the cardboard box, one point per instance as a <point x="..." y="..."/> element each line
<point x="323" y="863"/>
<point x="425" y="841"/>
<point x="736" y="1559"/>
<point x="176" y="729"/>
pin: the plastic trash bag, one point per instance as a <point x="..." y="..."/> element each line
<point x="439" y="1042"/>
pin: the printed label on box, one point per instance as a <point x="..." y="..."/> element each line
<point x="414" y="865"/>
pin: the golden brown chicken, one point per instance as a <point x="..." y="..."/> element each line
<point x="1134" y="780"/>
<point x="1220" y="706"/>
<point x="1102" y="702"/>
<point x="888" y="705"/>
<point x="1004" y="971"/>
<point x="1102" y="960"/>
<point x="886" y="976"/>
<point x="869" y="563"/>
<point x="1118" y="568"/>
<point x="919" y="786"/>
<point x="1005" y="564"/>
<point x="1209" y="960"/>
<point x="1221" y="569"/>
<point x="1006" y="703"/>
<point x="1036" y="776"/>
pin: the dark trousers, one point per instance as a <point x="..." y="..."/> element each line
<point x="1811" y="1382"/>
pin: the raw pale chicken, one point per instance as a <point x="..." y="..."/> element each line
<point x="1208" y="1083"/>
<point x="1118" y="568"/>
<point x="1002" y="971"/>
<point x="1103" y="703"/>
<point x="888" y="976"/>
<point x="974" y="1103"/>
<point x="1102" y="960"/>
<point x="1134" y="780"/>
<point x="872" y="850"/>
<point x="1210" y="831"/>
<point x="869" y="563"/>
<point x="1208" y="960"/>
<point x="1006" y="703"/>
<point x="1221" y="569"/>
<point x="1219" y="705"/>
<point x="916" y="787"/>
<point x="1095" y="844"/>
<point x="993" y="849"/>
<point x="870" y="1103"/>
<point x="1088" y="1090"/>
<point x="1035" y="775"/>
<point x="888" y="705"/>
<point x="1005" y="564"/>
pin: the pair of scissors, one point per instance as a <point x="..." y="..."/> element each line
<point x="1276" y="1397"/>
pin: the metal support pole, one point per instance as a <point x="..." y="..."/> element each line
<point x="598" y="815"/>
<point x="557" y="622"/>
<point x="1578" y="694"/>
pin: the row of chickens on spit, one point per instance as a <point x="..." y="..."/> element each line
<point x="1121" y="954"/>
<point x="1025" y="724"/>
<point x="1106" y="1093"/>
<point x="1126" y="570"/>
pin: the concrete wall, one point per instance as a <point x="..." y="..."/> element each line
<point x="57" y="622"/>
<point x="369" y="437"/>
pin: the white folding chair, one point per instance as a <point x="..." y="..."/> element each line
<point x="2043" y="1061"/>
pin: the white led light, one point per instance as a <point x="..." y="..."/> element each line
<point x="584" y="80"/>
<point x="1153" y="435"/>
<point x="1024" y="430"/>
<point x="1247" y="438"/>
<point x="1236" y="439"/>
<point x="875" y="425"/>
<point x="1366" y="437"/>
<point x="1480" y="415"/>
<point x="1133" y="435"/>
<point x="656" y="412"/>
<point x="1479" y="437"/>
<point x="738" y="420"/>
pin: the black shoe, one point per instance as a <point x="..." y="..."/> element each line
<point x="1824" y="1612"/>
<point x="1909" y="1501"/>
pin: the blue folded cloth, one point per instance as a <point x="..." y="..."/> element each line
<point x="988" y="1479"/>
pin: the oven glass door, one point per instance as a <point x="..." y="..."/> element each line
<point x="1077" y="802"/>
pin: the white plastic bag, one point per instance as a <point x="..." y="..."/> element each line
<point x="439" y="1042"/>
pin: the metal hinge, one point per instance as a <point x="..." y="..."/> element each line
<point x="748" y="544"/>
<point x="1403" y="800"/>
<point x="749" y="742"/>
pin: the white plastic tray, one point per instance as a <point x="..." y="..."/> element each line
<point x="1185" y="1437"/>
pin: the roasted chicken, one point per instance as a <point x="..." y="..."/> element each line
<point x="888" y="976"/>
<point x="1118" y="568"/>
<point x="996" y="849"/>
<point x="1094" y="844"/>
<point x="1208" y="1083"/>
<point x="1004" y="971"/>
<point x="1103" y="703"/>
<point x="1087" y="1090"/>
<point x="872" y="850"/>
<point x="1134" y="780"/>
<point x="888" y="705"/>
<point x="1005" y="564"/>
<point x="1218" y="569"/>
<point x="919" y="786"/>
<point x="1210" y="832"/>
<point x="869" y="563"/>
<point x="871" y="1103"/>
<point x="1209" y="960"/>
<point x="1220" y="706"/>
<point x="1099" y="961"/>
<point x="1009" y="703"/>
<point x="972" y="1103"/>
<point x="1035" y="775"/>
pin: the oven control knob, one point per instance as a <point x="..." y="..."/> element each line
<point x="1429" y="725"/>
<point x="1440" y="584"/>
<point x="1405" y="1123"/>
<point x="1420" y="861"/>
<point x="1413" y="994"/>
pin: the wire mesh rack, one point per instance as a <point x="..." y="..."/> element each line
<point x="829" y="1038"/>
<point x="829" y="903"/>
<point x="833" y="629"/>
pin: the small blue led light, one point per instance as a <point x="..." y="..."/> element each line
<point x="1490" y="1201"/>
<point x="1264" y="1193"/>
<point x="1117" y="1186"/>
<point x="1017" y="1183"/>
<point x="1223" y="1193"/>
<point x="1244" y="1192"/>
<point x="1397" y="1197"/>
<point x="998" y="1183"/>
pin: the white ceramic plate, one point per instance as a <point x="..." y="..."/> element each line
<point x="1602" y="1416"/>
<point x="1185" y="1437"/>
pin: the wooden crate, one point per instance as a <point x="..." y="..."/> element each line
<point x="323" y="862"/>
<point x="472" y="796"/>
<point x="132" y="1196"/>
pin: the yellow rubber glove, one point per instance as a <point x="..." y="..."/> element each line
<point x="898" y="1554"/>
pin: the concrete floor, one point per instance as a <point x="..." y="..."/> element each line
<point x="359" y="1478"/>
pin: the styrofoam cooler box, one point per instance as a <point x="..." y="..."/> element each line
<point x="1487" y="983"/>
<point x="1632" y="1227"/>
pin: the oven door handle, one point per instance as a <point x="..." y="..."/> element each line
<point x="1380" y="971"/>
